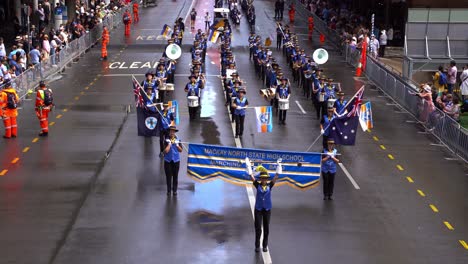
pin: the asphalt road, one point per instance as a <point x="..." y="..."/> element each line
<point x="94" y="192"/>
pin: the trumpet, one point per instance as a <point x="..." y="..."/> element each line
<point x="268" y="93"/>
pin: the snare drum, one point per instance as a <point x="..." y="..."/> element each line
<point x="169" y="86"/>
<point x="192" y="101"/>
<point x="162" y="87"/>
<point x="331" y="102"/>
<point x="283" y="104"/>
<point x="321" y="97"/>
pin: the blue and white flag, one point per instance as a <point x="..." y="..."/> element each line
<point x="365" y="116"/>
<point x="301" y="170"/>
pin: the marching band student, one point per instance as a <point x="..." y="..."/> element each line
<point x="325" y="125"/>
<point x="232" y="95"/>
<point x="317" y="90"/>
<point x="240" y="104"/>
<point x="166" y="117"/>
<point x="192" y="89"/>
<point x="340" y="103"/>
<point x="283" y="91"/>
<point x="263" y="205"/>
<point x="161" y="77"/>
<point x="172" y="149"/>
<point x="329" y="162"/>
<point x="150" y="83"/>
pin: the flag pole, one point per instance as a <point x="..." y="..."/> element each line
<point x="315" y="141"/>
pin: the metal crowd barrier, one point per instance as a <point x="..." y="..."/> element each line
<point x="441" y="125"/>
<point x="29" y="79"/>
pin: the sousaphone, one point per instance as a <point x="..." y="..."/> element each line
<point x="320" y="56"/>
<point x="173" y="51"/>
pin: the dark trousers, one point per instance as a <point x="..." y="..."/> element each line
<point x="282" y="115"/>
<point x="382" y="51"/>
<point x="239" y="124"/>
<point x="172" y="175"/>
<point x="193" y="112"/>
<point x="277" y="13"/>
<point x="162" y="96"/>
<point x="317" y="106"/>
<point x="324" y="140"/>
<point x="328" y="180"/>
<point x="262" y="216"/>
<point x="279" y="40"/>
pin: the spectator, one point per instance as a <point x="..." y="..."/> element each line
<point x="41" y="15"/>
<point x="45" y="48"/>
<point x="383" y="43"/>
<point x="2" y="48"/>
<point x="47" y="11"/>
<point x="464" y="83"/>
<point x="374" y="46"/>
<point x="427" y="106"/>
<point x="439" y="80"/>
<point x="34" y="56"/>
<point x="452" y="76"/>
<point x="390" y="36"/>
<point x="452" y="107"/>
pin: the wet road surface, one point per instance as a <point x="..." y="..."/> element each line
<point x="94" y="192"/>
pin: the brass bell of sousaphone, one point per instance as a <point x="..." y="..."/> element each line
<point x="173" y="51"/>
<point x="268" y="42"/>
<point x="320" y="56"/>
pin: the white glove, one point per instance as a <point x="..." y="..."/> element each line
<point x="248" y="166"/>
<point x="279" y="168"/>
<point x="176" y="141"/>
<point x="322" y="131"/>
<point x="239" y="107"/>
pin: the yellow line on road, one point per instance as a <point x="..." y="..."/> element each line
<point x="95" y="79"/>
<point x="25" y="149"/>
<point x="77" y="98"/>
<point x="409" y="179"/>
<point x="86" y="88"/>
<point x="421" y="193"/>
<point x="58" y="116"/>
<point x="390" y="156"/>
<point x="82" y="93"/>
<point x="448" y="225"/>
<point x="91" y="83"/>
<point x="383" y="147"/>
<point x="434" y="208"/>
<point x="464" y="244"/>
<point x="14" y="160"/>
<point x="399" y="167"/>
<point x="65" y="110"/>
<point x="368" y="130"/>
<point x="35" y="140"/>
<point x="375" y="138"/>
<point x="52" y="123"/>
<point x="3" y="172"/>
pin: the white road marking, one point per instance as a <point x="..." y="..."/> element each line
<point x="188" y="11"/>
<point x="300" y="107"/>
<point x="250" y="193"/>
<point x="349" y="176"/>
<point x="123" y="74"/>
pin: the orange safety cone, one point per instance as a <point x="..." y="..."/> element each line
<point x="359" y="70"/>
<point x="322" y="38"/>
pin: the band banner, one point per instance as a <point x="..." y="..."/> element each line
<point x="301" y="170"/>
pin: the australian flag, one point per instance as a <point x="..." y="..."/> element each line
<point x="343" y="129"/>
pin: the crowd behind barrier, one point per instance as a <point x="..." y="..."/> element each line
<point x="28" y="80"/>
<point x="436" y="120"/>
